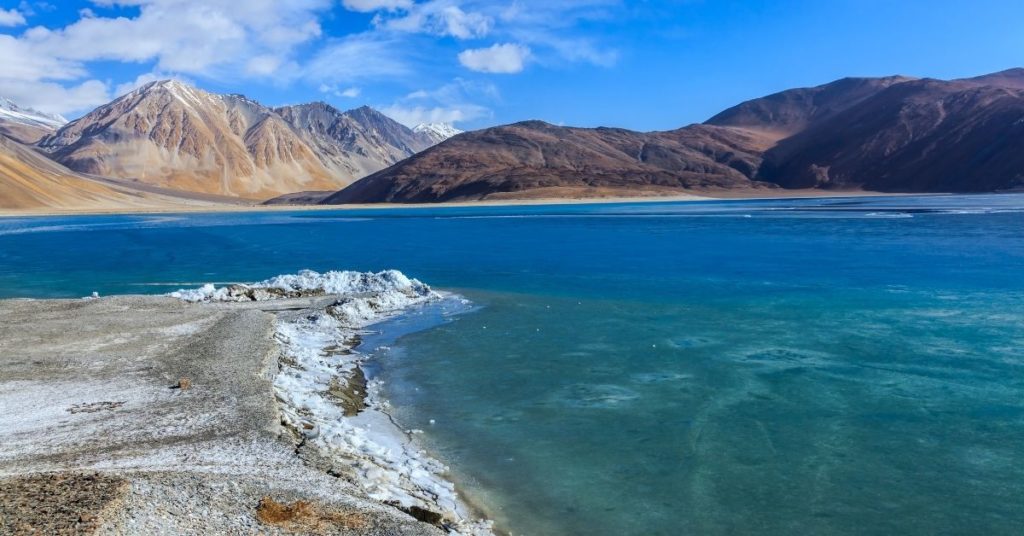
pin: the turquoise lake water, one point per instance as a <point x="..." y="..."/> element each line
<point x="830" y="366"/>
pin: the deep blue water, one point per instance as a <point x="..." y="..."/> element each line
<point x="837" y="366"/>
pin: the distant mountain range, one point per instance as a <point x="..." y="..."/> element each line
<point x="168" y="141"/>
<point x="173" y="135"/>
<point x="892" y="134"/>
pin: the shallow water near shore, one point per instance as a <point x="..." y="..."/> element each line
<point x="826" y="366"/>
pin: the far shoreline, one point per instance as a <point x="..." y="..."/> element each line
<point x="766" y="195"/>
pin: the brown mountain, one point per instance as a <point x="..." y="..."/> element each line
<point x="31" y="181"/>
<point x="1010" y="78"/>
<point x="532" y="155"/>
<point x="894" y="134"/>
<point x="916" y="136"/>
<point x="783" y="114"/>
<point x="172" y="135"/>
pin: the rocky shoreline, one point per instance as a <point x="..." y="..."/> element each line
<point x="202" y="418"/>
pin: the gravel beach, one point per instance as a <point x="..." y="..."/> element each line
<point x="148" y="415"/>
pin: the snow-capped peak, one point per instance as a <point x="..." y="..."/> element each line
<point x="27" y="116"/>
<point x="437" y="131"/>
<point x="182" y="91"/>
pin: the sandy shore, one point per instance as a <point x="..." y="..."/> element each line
<point x="653" y="198"/>
<point x="150" y="415"/>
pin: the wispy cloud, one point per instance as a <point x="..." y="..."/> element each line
<point x="281" y="43"/>
<point x="454" y="102"/>
<point x="348" y="93"/>
<point x="544" y="28"/>
<point x="438" y="17"/>
<point x="368" y="6"/>
<point x="415" y="115"/>
<point x="366" y="56"/>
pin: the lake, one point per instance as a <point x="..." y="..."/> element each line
<point x="818" y="366"/>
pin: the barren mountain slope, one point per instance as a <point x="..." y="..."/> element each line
<point x="172" y="135"/>
<point x="789" y="112"/>
<point x="920" y="136"/>
<point x="355" y="143"/>
<point x="30" y="181"/>
<point x="532" y="155"/>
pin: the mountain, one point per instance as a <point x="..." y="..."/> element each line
<point x="26" y="125"/>
<point x="918" y="136"/>
<point x="436" y="132"/>
<point x="533" y="155"/>
<point x="889" y="134"/>
<point x="172" y="135"/>
<point x="31" y="181"/>
<point x="1010" y="78"/>
<point x="785" y="113"/>
<point x="355" y="143"/>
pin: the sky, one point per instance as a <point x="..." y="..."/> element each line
<point x="642" y="65"/>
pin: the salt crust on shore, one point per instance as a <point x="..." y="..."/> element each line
<point x="318" y="349"/>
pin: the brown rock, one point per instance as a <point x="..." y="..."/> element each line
<point x="307" y="517"/>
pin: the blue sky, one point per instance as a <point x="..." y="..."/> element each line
<point x="645" y="65"/>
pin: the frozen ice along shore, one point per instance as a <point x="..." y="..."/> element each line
<point x="326" y="400"/>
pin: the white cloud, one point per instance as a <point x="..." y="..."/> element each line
<point x="56" y="98"/>
<point x="454" y="102"/>
<point x="11" y="17"/>
<point x="418" y="94"/>
<point x="584" y="50"/>
<point x="411" y="116"/>
<point x="440" y="17"/>
<point x="457" y="91"/>
<point x="22" y="62"/>
<point x="41" y="82"/>
<point x="348" y="93"/>
<point x="499" y="58"/>
<point x="280" y="42"/>
<point x="264" y="65"/>
<point x="223" y="39"/>
<point x="366" y="6"/>
<point x="139" y="81"/>
<point x="357" y="57"/>
<point x="186" y="36"/>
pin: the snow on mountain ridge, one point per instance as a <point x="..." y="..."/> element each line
<point x="28" y="116"/>
<point x="437" y="131"/>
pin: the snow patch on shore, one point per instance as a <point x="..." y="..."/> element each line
<point x="318" y="354"/>
<point x="388" y="284"/>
